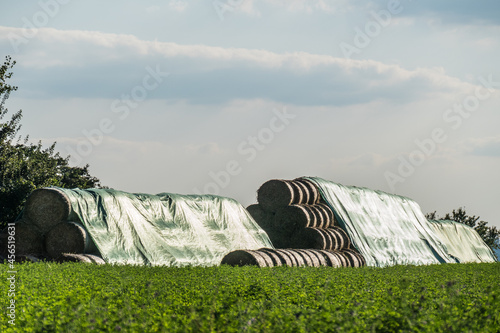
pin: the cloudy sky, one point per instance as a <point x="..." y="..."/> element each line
<point x="220" y="96"/>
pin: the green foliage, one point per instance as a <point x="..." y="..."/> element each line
<point x="490" y="235"/>
<point x="77" y="297"/>
<point x="25" y="167"/>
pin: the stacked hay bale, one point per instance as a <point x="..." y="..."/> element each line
<point x="294" y="215"/>
<point x="294" y="258"/>
<point x="46" y="230"/>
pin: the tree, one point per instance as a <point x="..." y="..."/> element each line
<point x="25" y="166"/>
<point x="490" y="235"/>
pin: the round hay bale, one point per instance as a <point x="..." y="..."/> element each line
<point x="321" y="217"/>
<point x="328" y="217"/>
<point x="287" y="259"/>
<point x="312" y="260"/>
<point x="351" y="259"/>
<point x="74" y="257"/>
<point x="292" y="257"/>
<point x="338" y="237"/>
<point x="299" y="260"/>
<point x="319" y="256"/>
<point x="267" y="258"/>
<point x="276" y="193"/>
<point x="264" y="219"/>
<point x="69" y="237"/>
<point x="357" y="259"/>
<point x="331" y="259"/>
<point x="295" y="217"/>
<point x="47" y="207"/>
<point x="307" y="259"/>
<point x="344" y="261"/>
<point x="311" y="189"/>
<point x="244" y="258"/>
<point x="324" y="239"/>
<point x="27" y="239"/>
<point x="314" y="238"/>
<point x="342" y="236"/>
<point x="306" y="197"/>
<point x="347" y="261"/>
<point x="96" y="259"/>
<point x="327" y="213"/>
<point x="276" y="260"/>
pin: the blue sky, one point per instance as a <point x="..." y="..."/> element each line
<point x="220" y="96"/>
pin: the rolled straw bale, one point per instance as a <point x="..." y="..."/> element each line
<point x="295" y="217"/>
<point x="277" y="193"/>
<point x="287" y="258"/>
<point x="343" y="240"/>
<point x="80" y="257"/>
<point x="313" y="261"/>
<point x="95" y="258"/>
<point x="69" y="237"/>
<point x="276" y="259"/>
<point x="353" y="261"/>
<point x="322" y="220"/>
<point x="328" y="216"/>
<point x="331" y="259"/>
<point x="299" y="260"/>
<point x="246" y="258"/>
<point x="324" y="239"/>
<point x="74" y="257"/>
<point x="319" y="256"/>
<point x="307" y="259"/>
<point x="304" y="190"/>
<point x="263" y="218"/>
<point x="267" y="257"/>
<point x="311" y="188"/>
<point x="47" y="207"/>
<point x="345" y="262"/>
<point x="356" y="258"/>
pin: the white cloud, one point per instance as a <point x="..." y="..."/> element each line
<point x="295" y="77"/>
<point x="178" y="5"/>
<point x="309" y="6"/>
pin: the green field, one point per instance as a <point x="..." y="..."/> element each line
<point x="76" y="297"/>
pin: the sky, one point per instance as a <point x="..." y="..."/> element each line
<point x="220" y="96"/>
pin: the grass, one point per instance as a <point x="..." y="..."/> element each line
<point x="75" y="297"/>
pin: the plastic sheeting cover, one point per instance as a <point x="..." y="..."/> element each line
<point x="462" y="241"/>
<point x="386" y="229"/>
<point x="164" y="229"/>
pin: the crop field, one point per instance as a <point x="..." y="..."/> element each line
<point x="76" y="297"/>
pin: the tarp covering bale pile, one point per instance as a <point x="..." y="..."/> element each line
<point x="294" y="216"/>
<point x="387" y="229"/>
<point x="462" y="241"/>
<point x="124" y="228"/>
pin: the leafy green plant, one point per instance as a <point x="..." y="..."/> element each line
<point x="24" y="166"/>
<point x="79" y="298"/>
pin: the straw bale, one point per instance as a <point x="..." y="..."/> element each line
<point x="47" y="207"/>
<point x="69" y="237"/>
